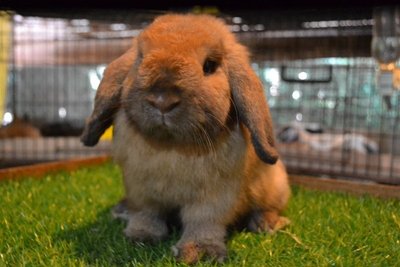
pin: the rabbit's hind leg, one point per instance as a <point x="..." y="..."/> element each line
<point x="266" y="221"/>
<point x="146" y="226"/>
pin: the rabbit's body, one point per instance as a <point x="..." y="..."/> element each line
<point x="150" y="174"/>
<point x="192" y="134"/>
<point x="222" y="186"/>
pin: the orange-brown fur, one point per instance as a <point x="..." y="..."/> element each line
<point x="190" y="137"/>
<point x="19" y="128"/>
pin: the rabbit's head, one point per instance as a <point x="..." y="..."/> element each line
<point x="186" y="82"/>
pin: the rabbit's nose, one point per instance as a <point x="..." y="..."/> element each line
<point x="163" y="102"/>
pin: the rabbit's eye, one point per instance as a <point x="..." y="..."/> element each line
<point x="210" y="66"/>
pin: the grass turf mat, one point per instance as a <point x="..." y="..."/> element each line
<point x="64" y="220"/>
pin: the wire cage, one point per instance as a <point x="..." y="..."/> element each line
<point x="336" y="111"/>
<point x="332" y="115"/>
<point x="54" y="64"/>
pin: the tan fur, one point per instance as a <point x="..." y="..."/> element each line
<point x="212" y="190"/>
<point x="190" y="137"/>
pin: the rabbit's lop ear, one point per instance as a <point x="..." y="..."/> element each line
<point x="250" y="102"/>
<point x="107" y="100"/>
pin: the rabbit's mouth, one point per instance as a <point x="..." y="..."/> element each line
<point x="160" y="126"/>
<point x="161" y="133"/>
<point x="172" y="131"/>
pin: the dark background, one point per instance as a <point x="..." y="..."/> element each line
<point x="223" y="6"/>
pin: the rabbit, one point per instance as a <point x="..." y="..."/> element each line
<point x="193" y="136"/>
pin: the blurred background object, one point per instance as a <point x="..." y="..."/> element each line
<point x="19" y="128"/>
<point x="385" y="48"/>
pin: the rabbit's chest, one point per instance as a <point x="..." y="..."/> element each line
<point x="172" y="177"/>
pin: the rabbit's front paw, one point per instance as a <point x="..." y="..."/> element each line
<point x="120" y="210"/>
<point x="191" y="252"/>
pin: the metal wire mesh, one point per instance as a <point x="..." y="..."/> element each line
<point x="339" y="121"/>
<point x="320" y="80"/>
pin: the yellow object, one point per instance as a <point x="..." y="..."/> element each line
<point x="211" y="10"/>
<point x="5" y="30"/>
<point x="107" y="135"/>
<point x="396" y="78"/>
<point x="394" y="70"/>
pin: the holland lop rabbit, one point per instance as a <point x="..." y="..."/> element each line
<point x="192" y="134"/>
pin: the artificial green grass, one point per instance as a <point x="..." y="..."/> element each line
<point x="64" y="220"/>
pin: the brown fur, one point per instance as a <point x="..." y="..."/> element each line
<point x="19" y="128"/>
<point x="190" y="137"/>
